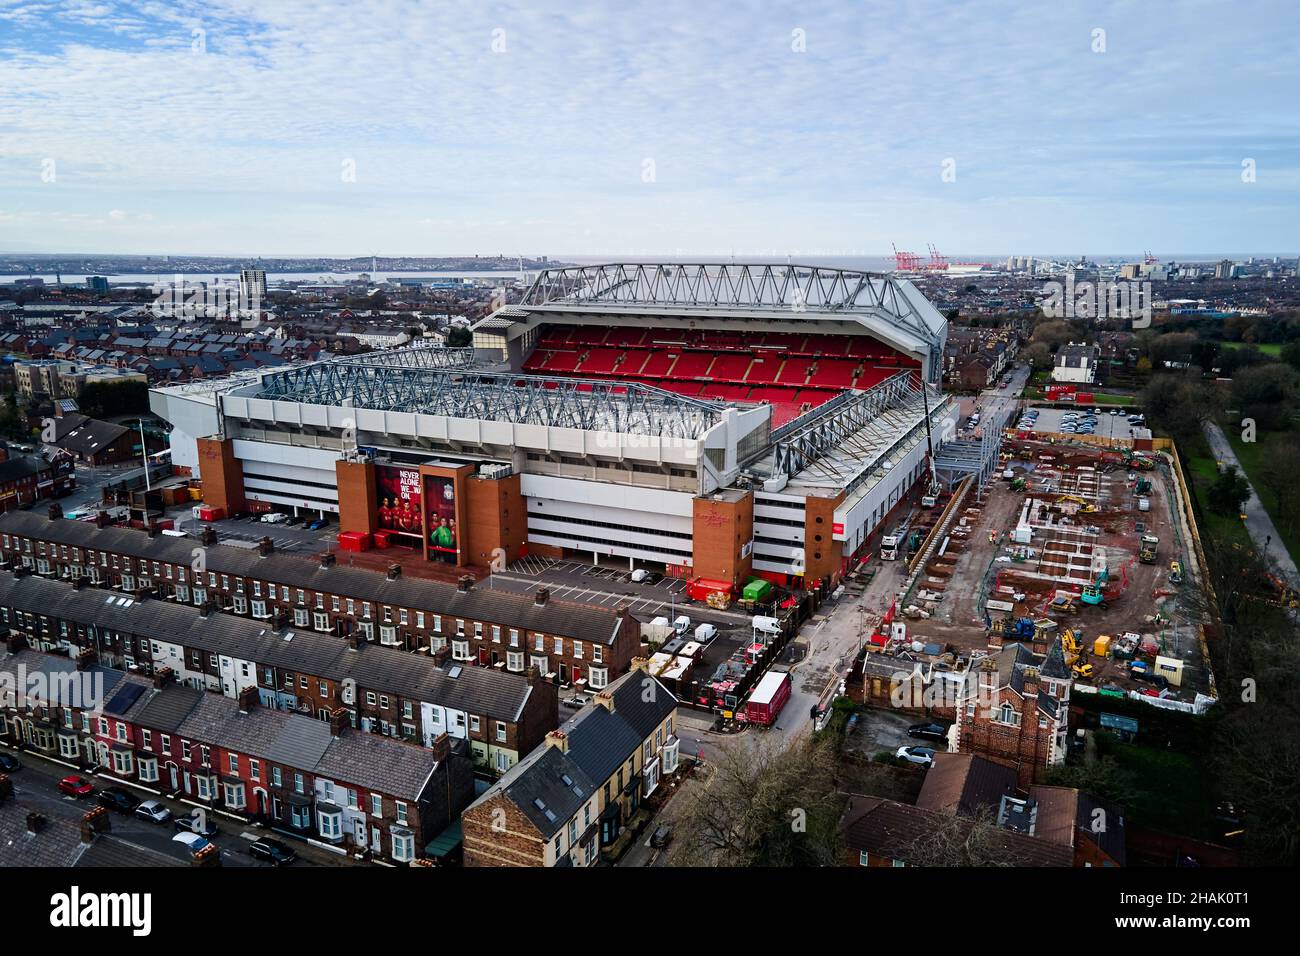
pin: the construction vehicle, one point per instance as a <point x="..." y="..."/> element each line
<point x="1076" y="654"/>
<point x="1093" y="593"/>
<point x="930" y="497"/>
<point x="1085" y="505"/>
<point x="890" y="544"/>
<point x="1175" y="572"/>
<point x="1149" y="549"/>
<point x="1138" y="462"/>
<point x="1018" y="484"/>
<point x="1143" y="486"/>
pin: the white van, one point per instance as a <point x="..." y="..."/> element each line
<point x="705" y="632"/>
<point x="682" y="625"/>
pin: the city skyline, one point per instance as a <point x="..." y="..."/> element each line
<point x="308" y="129"/>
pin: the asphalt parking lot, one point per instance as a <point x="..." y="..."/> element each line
<point x="1108" y="425"/>
<point x="283" y="537"/>
<point x="881" y="730"/>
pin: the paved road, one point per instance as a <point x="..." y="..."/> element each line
<point x="1258" y="523"/>
<point x="37" y="784"/>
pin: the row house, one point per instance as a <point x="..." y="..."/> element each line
<point x="379" y="690"/>
<point x="570" y="799"/>
<point x="571" y="643"/>
<point x="316" y="779"/>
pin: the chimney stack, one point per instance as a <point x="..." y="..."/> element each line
<point x="265" y="546"/>
<point x="465" y="582"/>
<point x="208" y="536"/>
<point x="354" y="640"/>
<point x="36" y="822"/>
<point x="95" y="822"/>
<point x="86" y="657"/>
<point x="163" y="676"/>
<point x="338" y="721"/>
<point x="558" y="740"/>
<point x="394" y="572"/>
<point x="605" y="699"/>
<point x="248" y="698"/>
<point x="441" y="747"/>
<point x="441" y="654"/>
<point x="542" y="596"/>
<point x="152" y="529"/>
<point x="640" y="664"/>
<point x="78" y="581"/>
<point x="327" y="559"/>
<point x="56" y="511"/>
<point x="14" y="641"/>
<point x="205" y="609"/>
<point x="101" y="519"/>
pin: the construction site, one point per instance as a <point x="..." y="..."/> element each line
<point x="1085" y="544"/>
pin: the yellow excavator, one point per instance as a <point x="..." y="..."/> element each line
<point x="1087" y="506"/>
<point x="1076" y="654"/>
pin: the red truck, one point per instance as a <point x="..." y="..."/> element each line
<point x="767" y="698"/>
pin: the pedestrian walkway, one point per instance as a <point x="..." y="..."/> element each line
<point x="1258" y="523"/>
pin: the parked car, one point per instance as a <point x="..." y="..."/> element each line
<point x="294" y="519"/>
<point x="924" y="756"/>
<point x="9" y="763"/>
<point x="275" y="517"/>
<point x="317" y="524"/>
<point x="930" y="731"/>
<point x="75" y="786"/>
<point x="192" y="842"/>
<point x="115" y="798"/>
<point x="577" y="701"/>
<point x="662" y="836"/>
<point x="191" y="824"/>
<point x="154" y="811"/>
<point x="272" y="851"/>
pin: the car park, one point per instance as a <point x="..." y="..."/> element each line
<point x="154" y="811"/>
<point x="272" y="851"/>
<point x="930" y="731"/>
<point x="115" y="798"/>
<point x="75" y="785"/>
<point x="922" y="756"/>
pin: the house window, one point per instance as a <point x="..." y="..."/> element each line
<point x="401" y="812"/>
<point x="403" y="846"/>
<point x="460" y="650"/>
<point x="514" y="661"/>
<point x="597" y="677"/>
<point x="376" y="805"/>
<point x="321" y="621"/>
<point x="234" y="795"/>
<point x="597" y="653"/>
<point x="864" y="858"/>
<point x="501" y="732"/>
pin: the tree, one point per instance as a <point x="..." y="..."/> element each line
<point x="1267" y="393"/>
<point x="1038" y="355"/>
<point x="1290" y="354"/>
<point x="970" y="840"/>
<point x="13" y="424"/>
<point x="765" y="804"/>
<point x="1278" y="474"/>
<point x="108" y="399"/>
<point x="459" y="337"/>
<point x="1178" y="404"/>
<point x="1229" y="491"/>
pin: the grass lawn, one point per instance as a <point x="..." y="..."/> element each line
<point x="1252" y="456"/>
<point x="1268" y="348"/>
<point x="1098" y="398"/>
<point x="1173" y="792"/>
<point x="1202" y="470"/>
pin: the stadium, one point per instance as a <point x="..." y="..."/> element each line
<point x="710" y="421"/>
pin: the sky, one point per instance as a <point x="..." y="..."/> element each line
<point x="395" y="127"/>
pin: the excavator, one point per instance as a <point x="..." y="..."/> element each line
<point x="1076" y="654"/>
<point x="1093" y="594"/>
<point x="1087" y="506"/>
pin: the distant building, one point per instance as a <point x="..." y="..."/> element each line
<point x="97" y="283"/>
<point x="1223" y="270"/>
<point x="252" y="285"/>
<point x="1076" y="362"/>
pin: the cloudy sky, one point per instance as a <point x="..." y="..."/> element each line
<point x="400" y="127"/>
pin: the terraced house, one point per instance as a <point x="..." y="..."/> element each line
<point x="377" y="689"/>
<point x="571" y="798"/>
<point x="318" y="779"/>
<point x="568" y="643"/>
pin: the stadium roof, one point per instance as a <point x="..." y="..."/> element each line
<point x="878" y="301"/>
<point x="442" y="382"/>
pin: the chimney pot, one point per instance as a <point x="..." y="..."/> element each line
<point x="247" y="699"/>
<point x="394" y="572"/>
<point x="338" y="721"/>
<point x="542" y="596"/>
<point x="327" y="559"/>
<point x="56" y="511"/>
<point x="558" y="740"/>
<point x="441" y="747"/>
<point x="465" y="582"/>
<point x="265" y="546"/>
<point x="36" y="822"/>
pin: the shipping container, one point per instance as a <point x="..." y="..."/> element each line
<point x="756" y="589"/>
<point x="700" y="588"/>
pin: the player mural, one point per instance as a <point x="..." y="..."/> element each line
<point x="440" y="512"/>
<point x="399" y="501"/>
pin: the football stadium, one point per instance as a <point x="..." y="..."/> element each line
<point x="709" y="421"/>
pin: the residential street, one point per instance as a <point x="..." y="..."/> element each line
<point x="1258" y="523"/>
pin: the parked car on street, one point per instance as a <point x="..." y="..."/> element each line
<point x="9" y="763"/>
<point x="75" y="786"/>
<point x="272" y="851"/>
<point x="115" y="798"/>
<point x="154" y="811"/>
<point x="190" y="824"/>
<point x="662" y="836"/>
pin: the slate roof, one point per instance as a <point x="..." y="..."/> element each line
<point x="551" y="784"/>
<point x="15" y="469"/>
<point x="578" y="621"/>
<point x="78" y="433"/>
<point x="890" y="830"/>
<point x="500" y="695"/>
<point x="962" y="783"/>
<point x="394" y="767"/>
<point x="1065" y="816"/>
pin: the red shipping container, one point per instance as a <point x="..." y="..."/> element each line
<point x="354" y="541"/>
<point x="767" y="698"/>
<point x="211" y="514"/>
<point x="701" y="588"/>
<point x="1083" y="398"/>
<point x="383" y="539"/>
